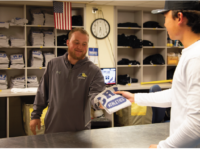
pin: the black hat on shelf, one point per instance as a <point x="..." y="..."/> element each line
<point x="178" y="5"/>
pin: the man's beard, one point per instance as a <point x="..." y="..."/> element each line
<point x="73" y="55"/>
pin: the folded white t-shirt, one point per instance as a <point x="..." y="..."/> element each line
<point x="112" y="102"/>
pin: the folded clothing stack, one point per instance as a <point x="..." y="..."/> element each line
<point x="18" y="21"/>
<point x="48" y="38"/>
<point x="36" y="58"/>
<point x="37" y="38"/>
<point x="3" y="82"/>
<point x="17" y="42"/>
<point x="48" y="19"/>
<point x="3" y="41"/>
<point x="4" y="25"/>
<point x="4" y="61"/>
<point x="125" y="79"/>
<point x="32" y="81"/>
<point x="128" y="24"/>
<point x="125" y="61"/>
<point x="147" y="43"/>
<point x="48" y="57"/>
<point x="16" y="61"/>
<point x="17" y="82"/>
<point x="151" y="24"/>
<point x="38" y="17"/>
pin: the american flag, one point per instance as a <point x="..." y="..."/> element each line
<point x="62" y="15"/>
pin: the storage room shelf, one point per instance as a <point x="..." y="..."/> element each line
<point x="121" y="66"/>
<point x="129" y="28"/>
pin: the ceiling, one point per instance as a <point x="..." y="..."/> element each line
<point x="132" y="3"/>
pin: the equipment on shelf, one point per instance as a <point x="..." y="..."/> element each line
<point x="128" y="24"/>
<point x="48" y="19"/>
<point x="4" y="61"/>
<point x="125" y="61"/>
<point x="47" y="58"/>
<point x="3" y="41"/>
<point x="154" y="59"/>
<point x="62" y="40"/>
<point x="3" y="81"/>
<point x="125" y="79"/>
<point x="18" y="21"/>
<point x="48" y="38"/>
<point x="131" y="41"/>
<point x="147" y="43"/>
<point x="36" y="58"/>
<point x="37" y="17"/>
<point x="32" y="81"/>
<point x="151" y="24"/>
<point x="17" y="82"/>
<point x="13" y="22"/>
<point x="16" y="61"/>
<point x="173" y="43"/>
<point x="4" y="25"/>
<point x="38" y="37"/>
<point x="17" y="42"/>
<point x="173" y="58"/>
<point x="77" y="20"/>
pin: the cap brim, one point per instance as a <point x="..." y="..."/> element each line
<point x="159" y="11"/>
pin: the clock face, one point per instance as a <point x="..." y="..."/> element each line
<point x="100" y="28"/>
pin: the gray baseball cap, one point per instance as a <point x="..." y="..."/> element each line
<point x="178" y="5"/>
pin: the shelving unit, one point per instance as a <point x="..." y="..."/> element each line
<point x="22" y="31"/>
<point x="158" y="36"/>
<point x="10" y="11"/>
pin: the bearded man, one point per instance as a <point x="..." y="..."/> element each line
<point x="68" y="87"/>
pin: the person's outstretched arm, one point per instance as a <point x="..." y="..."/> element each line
<point x="157" y="99"/>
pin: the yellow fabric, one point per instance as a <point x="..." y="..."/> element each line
<point x="137" y="110"/>
<point x="42" y="116"/>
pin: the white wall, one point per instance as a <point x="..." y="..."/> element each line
<point x="106" y="52"/>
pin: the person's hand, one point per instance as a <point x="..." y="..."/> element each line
<point x="153" y="146"/>
<point x="101" y="106"/>
<point x="127" y="95"/>
<point x="33" y="124"/>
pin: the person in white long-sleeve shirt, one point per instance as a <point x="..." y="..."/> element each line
<point x="184" y="96"/>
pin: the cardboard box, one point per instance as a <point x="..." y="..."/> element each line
<point x="172" y="60"/>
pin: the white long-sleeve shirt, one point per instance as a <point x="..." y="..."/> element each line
<point x="184" y="100"/>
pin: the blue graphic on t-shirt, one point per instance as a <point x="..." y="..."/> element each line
<point x="112" y="103"/>
<point x="108" y="94"/>
<point x="115" y="102"/>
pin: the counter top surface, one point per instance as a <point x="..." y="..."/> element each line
<point x="136" y="136"/>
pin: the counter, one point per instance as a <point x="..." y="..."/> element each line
<point x="137" y="136"/>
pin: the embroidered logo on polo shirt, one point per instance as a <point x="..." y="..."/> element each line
<point x="58" y="72"/>
<point x="82" y="76"/>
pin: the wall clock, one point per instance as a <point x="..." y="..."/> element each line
<point x="100" y="28"/>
